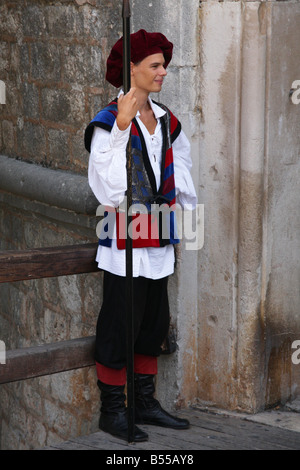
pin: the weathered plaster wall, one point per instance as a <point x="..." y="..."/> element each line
<point x="281" y="260"/>
<point x="218" y="189"/>
<point x="249" y="181"/>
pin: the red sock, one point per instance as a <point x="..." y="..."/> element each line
<point x="145" y="364"/>
<point x="110" y="376"/>
<point x="142" y="365"/>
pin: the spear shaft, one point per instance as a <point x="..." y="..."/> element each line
<point x="129" y="273"/>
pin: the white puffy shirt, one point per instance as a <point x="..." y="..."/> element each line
<point x="108" y="181"/>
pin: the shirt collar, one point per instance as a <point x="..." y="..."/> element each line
<point x="157" y="110"/>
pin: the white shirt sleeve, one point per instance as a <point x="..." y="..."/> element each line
<point x="185" y="190"/>
<point x="107" y="165"/>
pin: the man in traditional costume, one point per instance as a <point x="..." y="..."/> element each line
<point x="161" y="176"/>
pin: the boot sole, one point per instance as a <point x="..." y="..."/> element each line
<point x="152" y="423"/>
<point x="125" y="438"/>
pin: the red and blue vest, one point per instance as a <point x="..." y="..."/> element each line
<point x="148" y="229"/>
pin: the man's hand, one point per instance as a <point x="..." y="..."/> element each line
<point x="127" y="109"/>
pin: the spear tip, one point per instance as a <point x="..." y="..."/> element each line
<point x="126" y="9"/>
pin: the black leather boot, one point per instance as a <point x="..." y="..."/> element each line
<point x="113" y="417"/>
<point x="148" y="410"/>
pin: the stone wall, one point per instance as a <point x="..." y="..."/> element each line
<point x="52" y="57"/>
<point x="53" y="63"/>
<point x="37" y="411"/>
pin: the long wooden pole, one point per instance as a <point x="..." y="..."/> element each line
<point x="129" y="273"/>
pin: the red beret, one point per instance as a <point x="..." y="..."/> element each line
<point x="142" y="45"/>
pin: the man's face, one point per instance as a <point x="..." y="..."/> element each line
<point x="148" y="75"/>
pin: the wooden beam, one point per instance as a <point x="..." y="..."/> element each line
<point x="47" y="359"/>
<point x="39" y="263"/>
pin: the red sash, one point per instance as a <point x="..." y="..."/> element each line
<point x="143" y="229"/>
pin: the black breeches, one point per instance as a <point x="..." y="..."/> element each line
<point x="151" y="319"/>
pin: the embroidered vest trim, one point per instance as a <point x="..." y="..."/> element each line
<point x="156" y="227"/>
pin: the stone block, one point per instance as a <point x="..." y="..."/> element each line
<point x="10" y="19"/>
<point x="15" y="61"/>
<point x="71" y="304"/>
<point x="30" y="95"/>
<point x="61" y="18"/>
<point x="31" y="139"/>
<point x="63" y="106"/>
<point x="83" y="65"/>
<point x="7" y="137"/>
<point x="80" y="157"/>
<point x="33" y="20"/>
<point x="37" y="432"/>
<point x="59" y="151"/>
<point x="101" y="24"/>
<point x="4" y="56"/>
<point x="12" y="106"/>
<point x="45" y="62"/>
<point x="55" y="325"/>
<point x="24" y="61"/>
<point x="32" y="395"/>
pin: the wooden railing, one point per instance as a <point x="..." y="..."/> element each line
<point x="40" y="263"/>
